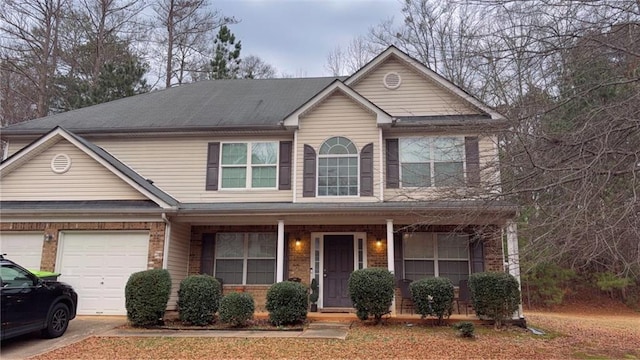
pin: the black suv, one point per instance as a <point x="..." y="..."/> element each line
<point x="32" y="304"/>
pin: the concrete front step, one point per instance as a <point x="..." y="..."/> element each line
<point x="329" y="325"/>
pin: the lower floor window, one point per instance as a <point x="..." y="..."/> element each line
<point x="245" y="258"/>
<point x="436" y="254"/>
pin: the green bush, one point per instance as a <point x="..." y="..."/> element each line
<point x="465" y="328"/>
<point x="146" y="296"/>
<point x="287" y="303"/>
<point x="236" y="309"/>
<point x="432" y="297"/>
<point x="198" y="299"/>
<point x="495" y="295"/>
<point x="371" y="291"/>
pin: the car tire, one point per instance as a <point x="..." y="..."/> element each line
<point x="57" y="322"/>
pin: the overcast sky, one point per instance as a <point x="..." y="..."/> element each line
<point x="296" y="36"/>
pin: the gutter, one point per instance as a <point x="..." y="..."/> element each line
<point x="167" y="240"/>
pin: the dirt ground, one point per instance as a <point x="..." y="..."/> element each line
<point x="578" y="331"/>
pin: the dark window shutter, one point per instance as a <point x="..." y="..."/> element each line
<point x="213" y="157"/>
<point x="393" y="164"/>
<point x="398" y="259"/>
<point x="285" y="268"/>
<point x="208" y="253"/>
<point x="366" y="170"/>
<point x="477" y="256"/>
<point x="472" y="153"/>
<point x="309" y="172"/>
<point x="284" y="168"/>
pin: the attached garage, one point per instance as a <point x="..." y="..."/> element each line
<point x="98" y="265"/>
<point x="24" y="248"/>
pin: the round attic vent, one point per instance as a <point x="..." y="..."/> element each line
<point x="60" y="163"/>
<point x="392" y="80"/>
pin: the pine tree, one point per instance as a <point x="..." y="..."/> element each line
<point x="226" y="61"/>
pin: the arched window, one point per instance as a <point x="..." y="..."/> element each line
<point x="338" y="168"/>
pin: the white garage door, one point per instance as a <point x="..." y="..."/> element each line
<point x="98" y="265"/>
<point x="22" y="248"/>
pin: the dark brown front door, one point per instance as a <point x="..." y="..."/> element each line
<point x="338" y="265"/>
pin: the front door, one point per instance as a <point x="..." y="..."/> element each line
<point x="338" y="265"/>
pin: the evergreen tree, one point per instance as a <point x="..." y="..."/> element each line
<point x="226" y="61"/>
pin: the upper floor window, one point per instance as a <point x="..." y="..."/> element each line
<point x="249" y="165"/>
<point x="338" y="168"/>
<point x="432" y="161"/>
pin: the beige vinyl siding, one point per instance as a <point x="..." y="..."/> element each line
<point x="14" y="145"/>
<point x="85" y="180"/>
<point x="338" y="115"/>
<point x="416" y="96"/>
<point x="178" y="259"/>
<point x="178" y="166"/>
<point x="489" y="175"/>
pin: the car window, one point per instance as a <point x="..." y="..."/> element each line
<point x="14" y="277"/>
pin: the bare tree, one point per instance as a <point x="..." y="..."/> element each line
<point x="30" y="30"/>
<point x="189" y="25"/>
<point x="357" y="54"/>
<point x="253" y="67"/>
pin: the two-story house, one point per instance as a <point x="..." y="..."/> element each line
<point x="259" y="181"/>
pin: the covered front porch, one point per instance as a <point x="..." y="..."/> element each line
<point x="248" y="251"/>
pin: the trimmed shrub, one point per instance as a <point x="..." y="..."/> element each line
<point x="371" y="291"/>
<point x="146" y="295"/>
<point x="198" y="299"/>
<point x="465" y="328"/>
<point x="236" y="308"/>
<point x="495" y="295"/>
<point x="287" y="303"/>
<point x="432" y="296"/>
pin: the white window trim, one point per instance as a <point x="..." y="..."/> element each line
<point x="432" y="162"/>
<point x="249" y="166"/>
<point x="318" y="156"/>
<point x="245" y="259"/>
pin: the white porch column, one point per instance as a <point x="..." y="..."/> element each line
<point x="280" y="253"/>
<point x="391" y="258"/>
<point x="513" y="260"/>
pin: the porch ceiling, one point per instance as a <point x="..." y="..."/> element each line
<point x="436" y="213"/>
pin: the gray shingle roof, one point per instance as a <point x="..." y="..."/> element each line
<point x="202" y="105"/>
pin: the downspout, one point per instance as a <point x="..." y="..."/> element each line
<point x="167" y="239"/>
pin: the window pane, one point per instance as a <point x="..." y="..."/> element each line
<point x="234" y="154"/>
<point x="229" y="270"/>
<point x="264" y="153"/>
<point x="448" y="174"/>
<point x="263" y="176"/>
<point x="229" y="245"/>
<point x="418" y="246"/>
<point x="418" y="269"/>
<point x="261" y="271"/>
<point x="453" y="246"/>
<point x="416" y="175"/>
<point x="235" y="177"/>
<point x="414" y="150"/>
<point x="454" y="270"/>
<point x="262" y="245"/>
<point x="448" y="149"/>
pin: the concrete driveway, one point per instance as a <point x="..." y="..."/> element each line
<point x="79" y="328"/>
